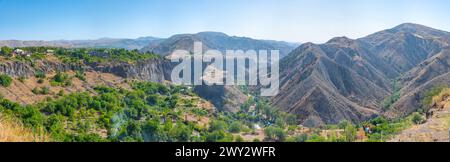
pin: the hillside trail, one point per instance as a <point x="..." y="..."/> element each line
<point x="435" y="129"/>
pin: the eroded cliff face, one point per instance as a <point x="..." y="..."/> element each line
<point x="155" y="70"/>
<point x="19" y="68"/>
<point x="225" y="98"/>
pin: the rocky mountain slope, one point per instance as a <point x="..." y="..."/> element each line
<point x="347" y="79"/>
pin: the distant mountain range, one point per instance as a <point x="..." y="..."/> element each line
<point x="162" y="46"/>
<point x="218" y="41"/>
<point x="347" y="79"/>
<point x="98" y="43"/>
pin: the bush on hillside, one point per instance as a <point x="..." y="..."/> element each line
<point x="5" y="80"/>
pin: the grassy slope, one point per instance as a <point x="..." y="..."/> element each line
<point x="435" y="129"/>
<point x="12" y="130"/>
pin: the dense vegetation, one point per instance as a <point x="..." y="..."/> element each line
<point x="428" y="98"/>
<point x="126" y="115"/>
<point x="86" y="55"/>
<point x="147" y="112"/>
<point x="102" y="55"/>
<point x="389" y="101"/>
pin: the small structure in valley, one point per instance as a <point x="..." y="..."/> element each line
<point x="20" y="52"/>
<point x="50" y="52"/>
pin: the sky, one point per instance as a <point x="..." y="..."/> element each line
<point x="288" y="20"/>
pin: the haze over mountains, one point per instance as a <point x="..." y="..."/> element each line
<point x="98" y="43"/>
<point x="162" y="46"/>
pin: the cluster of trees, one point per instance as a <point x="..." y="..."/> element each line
<point x="390" y="100"/>
<point x="6" y="51"/>
<point x="428" y="97"/>
<point x="147" y="112"/>
<point x="94" y="55"/>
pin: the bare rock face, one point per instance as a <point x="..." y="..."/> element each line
<point x="155" y="70"/>
<point x="325" y="84"/>
<point x="347" y="79"/>
<point x="27" y="69"/>
<point x="226" y="98"/>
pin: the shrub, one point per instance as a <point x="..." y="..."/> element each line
<point x="61" y="79"/>
<point x="218" y="125"/>
<point x="235" y="127"/>
<point x="61" y="92"/>
<point x="238" y="138"/>
<point x="45" y="90"/>
<point x="427" y="100"/>
<point x="298" y="138"/>
<point x="274" y="133"/>
<point x="80" y="75"/>
<point x="200" y="111"/>
<point x="39" y="74"/>
<point x="22" y="79"/>
<point x="6" y="51"/>
<point x="5" y="80"/>
<point x="350" y="133"/>
<point x="417" y="118"/>
<point x="41" y="91"/>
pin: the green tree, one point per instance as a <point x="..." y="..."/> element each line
<point x="6" y="51"/>
<point x="350" y="132"/>
<point x="218" y="125"/>
<point x="298" y="138"/>
<point x="417" y="118"/>
<point x="5" y="80"/>
<point x="274" y="133"/>
<point x="40" y="74"/>
<point x="235" y="127"/>
<point x="238" y="138"/>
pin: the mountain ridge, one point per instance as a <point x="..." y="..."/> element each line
<point x="217" y="41"/>
<point x="357" y="73"/>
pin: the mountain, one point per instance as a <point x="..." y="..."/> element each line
<point x="226" y="98"/>
<point x="329" y="83"/>
<point x="431" y="73"/>
<point x="406" y="45"/>
<point x="217" y="41"/>
<point x="98" y="43"/>
<point x="347" y="79"/>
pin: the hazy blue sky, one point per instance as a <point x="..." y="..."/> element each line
<point x="290" y="20"/>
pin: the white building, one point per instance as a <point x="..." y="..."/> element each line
<point x="21" y="53"/>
